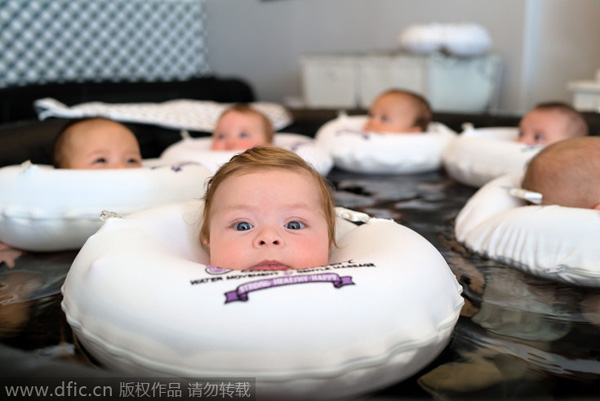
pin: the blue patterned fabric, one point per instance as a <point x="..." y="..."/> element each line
<point x="47" y="41"/>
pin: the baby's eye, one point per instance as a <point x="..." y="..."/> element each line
<point x="294" y="225"/>
<point x="133" y="161"/>
<point x="242" y="226"/>
<point x="100" y="160"/>
<point x="244" y="135"/>
<point x="521" y="134"/>
<point x="221" y="137"/>
<point x="385" y="119"/>
<point x="538" y="138"/>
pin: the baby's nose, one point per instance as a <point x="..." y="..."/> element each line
<point x="231" y="144"/>
<point x="525" y="141"/>
<point x="370" y="125"/>
<point x="268" y="237"/>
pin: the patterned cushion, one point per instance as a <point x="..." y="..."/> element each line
<point x="189" y="114"/>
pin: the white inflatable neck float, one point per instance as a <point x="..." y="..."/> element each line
<point x="142" y="300"/>
<point x="553" y="242"/>
<point x="462" y="39"/>
<point x="356" y="150"/>
<point x="478" y="155"/>
<point x="48" y="209"/>
<point x="198" y="150"/>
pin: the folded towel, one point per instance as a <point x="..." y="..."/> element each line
<point x="187" y="114"/>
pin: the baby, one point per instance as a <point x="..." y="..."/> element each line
<point x="567" y="173"/>
<point x="241" y="127"/>
<point x="267" y="209"/>
<point x="399" y="111"/>
<point x="96" y="143"/>
<point x="551" y="122"/>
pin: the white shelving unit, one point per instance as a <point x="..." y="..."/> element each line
<point x="379" y="73"/>
<point x="354" y="80"/>
<point x="586" y="94"/>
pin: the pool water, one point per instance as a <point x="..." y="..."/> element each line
<point x="518" y="336"/>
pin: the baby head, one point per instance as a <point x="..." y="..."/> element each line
<point x="267" y="209"/>
<point x="551" y="122"/>
<point x="96" y="143"/>
<point x="567" y="173"/>
<point x="399" y="111"/>
<point x="241" y="127"/>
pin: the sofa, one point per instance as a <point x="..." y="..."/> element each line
<point x="24" y="137"/>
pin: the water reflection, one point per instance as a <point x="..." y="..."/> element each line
<point x="30" y="316"/>
<point x="518" y="337"/>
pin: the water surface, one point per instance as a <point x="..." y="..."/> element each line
<point x="519" y="337"/>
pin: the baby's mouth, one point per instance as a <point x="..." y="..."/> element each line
<point x="270" y="265"/>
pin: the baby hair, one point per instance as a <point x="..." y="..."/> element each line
<point x="268" y="129"/>
<point x="424" y="113"/>
<point x="59" y="156"/>
<point x="577" y="126"/>
<point x="266" y="158"/>
<point x="566" y="173"/>
<point x="58" y="148"/>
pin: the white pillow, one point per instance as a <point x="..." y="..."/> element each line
<point x="200" y="115"/>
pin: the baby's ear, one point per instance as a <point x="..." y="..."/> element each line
<point x="205" y="243"/>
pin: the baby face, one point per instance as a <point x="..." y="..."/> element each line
<point x="238" y="131"/>
<point x="543" y="127"/>
<point x="271" y="220"/>
<point x="392" y="113"/>
<point x="101" y="144"/>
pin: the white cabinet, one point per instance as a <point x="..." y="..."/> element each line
<point x="464" y="84"/>
<point x="379" y="73"/>
<point x="329" y="81"/>
<point x="354" y="80"/>
<point x="586" y="94"/>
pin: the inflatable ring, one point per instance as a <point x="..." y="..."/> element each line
<point x="198" y="150"/>
<point x="422" y="38"/>
<point x="355" y="150"/>
<point x="477" y="156"/>
<point x="47" y="209"/>
<point x="142" y="301"/>
<point x="467" y="40"/>
<point x="553" y="242"/>
<point x="464" y="39"/>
